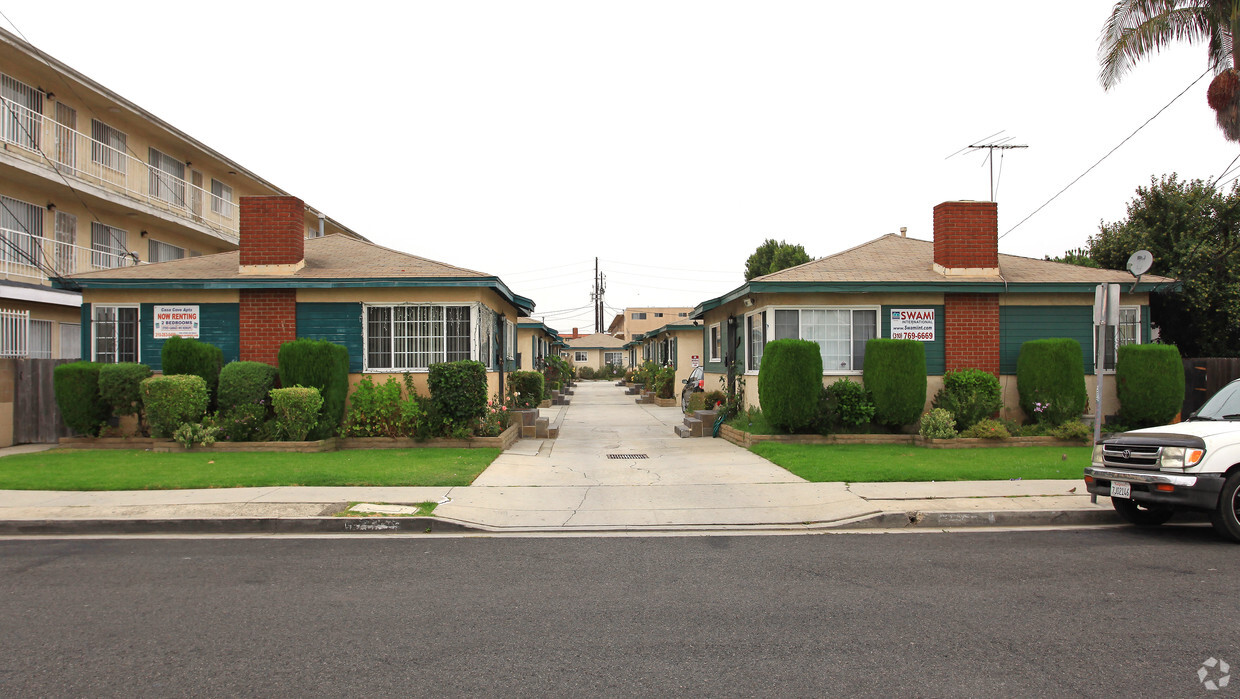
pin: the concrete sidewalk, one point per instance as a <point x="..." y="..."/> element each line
<point x="617" y="466"/>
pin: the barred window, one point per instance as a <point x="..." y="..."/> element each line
<point x="115" y="333"/>
<point x="163" y="252"/>
<point x="411" y="337"/>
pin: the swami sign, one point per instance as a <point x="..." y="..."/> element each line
<point x="176" y="320"/>
<point x="912" y="324"/>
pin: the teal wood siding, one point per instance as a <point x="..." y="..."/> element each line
<point x="1020" y="324"/>
<point x="87" y="329"/>
<point x="340" y="323"/>
<point x="936" y="354"/>
<point x="218" y="324"/>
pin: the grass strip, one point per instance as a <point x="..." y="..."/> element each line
<point x="125" y="469"/>
<point x="877" y="463"/>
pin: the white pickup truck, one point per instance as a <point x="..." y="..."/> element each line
<point x="1151" y="473"/>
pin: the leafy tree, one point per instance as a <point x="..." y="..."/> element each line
<point x="1191" y="229"/>
<point x="772" y="256"/>
<point x="1137" y="29"/>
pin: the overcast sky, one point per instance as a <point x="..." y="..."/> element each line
<point x="669" y="138"/>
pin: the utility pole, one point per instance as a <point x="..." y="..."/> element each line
<point x="600" y="287"/>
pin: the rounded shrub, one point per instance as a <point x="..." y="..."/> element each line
<point x="172" y="401"/>
<point x="987" y="428"/>
<point x="1149" y="380"/>
<point x="297" y="411"/>
<point x="938" y="424"/>
<point x="120" y="386"/>
<point x="76" y="386"/>
<point x="895" y="374"/>
<point x="849" y="404"/>
<point x="526" y="388"/>
<point x="789" y="383"/>
<point x="183" y="355"/>
<point x="1050" y="377"/>
<point x="243" y="399"/>
<point x="459" y="390"/>
<point x="969" y="395"/>
<point x="586" y="372"/>
<point x="322" y="365"/>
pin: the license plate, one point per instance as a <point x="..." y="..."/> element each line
<point x="1120" y="489"/>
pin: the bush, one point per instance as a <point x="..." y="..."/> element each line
<point x="665" y="382"/>
<point x="525" y="389"/>
<point x="192" y="433"/>
<point x="322" y="365"/>
<point x="697" y="401"/>
<point x="120" y="386"/>
<point x="789" y="382"/>
<point x="244" y="400"/>
<point x="987" y="428"/>
<point x="173" y="400"/>
<point x="850" y="403"/>
<point x="384" y="410"/>
<point x="558" y="369"/>
<point x="1050" y="377"/>
<point x="969" y="395"/>
<point x="76" y="386"/>
<point x="824" y="413"/>
<point x="1149" y="380"/>
<point x="297" y="410"/>
<point x="938" y="424"/>
<point x="182" y="355"/>
<point x="459" y="391"/>
<point x="586" y="372"/>
<point x="895" y="373"/>
<point x="1073" y="431"/>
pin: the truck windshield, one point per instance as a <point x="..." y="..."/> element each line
<point x="1224" y="405"/>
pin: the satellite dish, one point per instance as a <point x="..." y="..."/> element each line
<point x="1140" y="262"/>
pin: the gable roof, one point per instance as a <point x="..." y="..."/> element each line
<point x="896" y="263"/>
<point x="596" y="341"/>
<point x="333" y="261"/>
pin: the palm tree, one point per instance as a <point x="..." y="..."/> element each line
<point x="1138" y="28"/>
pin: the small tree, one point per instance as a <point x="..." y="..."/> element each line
<point x="1050" y="376"/>
<point x="322" y="365"/>
<point x="895" y="374"/>
<point x="1149" y="381"/>
<point x="77" y="395"/>
<point x="789" y="383"/>
<point x="772" y="256"/>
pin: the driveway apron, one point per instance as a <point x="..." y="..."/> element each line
<point x="619" y="464"/>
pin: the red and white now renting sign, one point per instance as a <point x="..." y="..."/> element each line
<point x="176" y="320"/>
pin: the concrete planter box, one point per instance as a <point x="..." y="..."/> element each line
<point x="667" y="402"/>
<point x="108" y="442"/>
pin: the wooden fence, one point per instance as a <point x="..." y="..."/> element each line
<point x="1203" y="377"/>
<point x="36" y="419"/>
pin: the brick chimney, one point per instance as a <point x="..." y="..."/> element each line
<point x="966" y="238"/>
<point x="273" y="235"/>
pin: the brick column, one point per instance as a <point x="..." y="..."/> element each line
<point x="971" y="329"/>
<point x="268" y="320"/>
<point x="273" y="231"/>
<point x="966" y="235"/>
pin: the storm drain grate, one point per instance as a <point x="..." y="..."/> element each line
<point x="627" y="456"/>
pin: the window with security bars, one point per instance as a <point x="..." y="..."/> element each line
<point x="1128" y="332"/>
<point x="21" y="231"/>
<point x="409" y="337"/>
<point x="115" y="333"/>
<point x="163" y="252"/>
<point x="614" y="358"/>
<point x="21" y="113"/>
<point x="167" y="178"/>
<point x="107" y="146"/>
<point x="107" y="246"/>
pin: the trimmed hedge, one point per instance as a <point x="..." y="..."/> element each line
<point x="459" y="390"/>
<point x="244" y="400"/>
<point x="1050" y="376"/>
<point x="526" y="388"/>
<point x="76" y="386"/>
<point x="182" y="355"/>
<point x="895" y="374"/>
<point x="172" y="401"/>
<point x="789" y="383"/>
<point x="322" y="365"/>
<point x="120" y="386"/>
<point x="1149" y="380"/>
<point x="969" y="395"/>
<point x="297" y="410"/>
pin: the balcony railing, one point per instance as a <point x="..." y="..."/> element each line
<point x="78" y="155"/>
<point x="24" y="256"/>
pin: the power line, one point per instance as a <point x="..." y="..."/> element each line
<point x="1108" y="154"/>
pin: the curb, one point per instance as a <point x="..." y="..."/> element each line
<point x="431" y="525"/>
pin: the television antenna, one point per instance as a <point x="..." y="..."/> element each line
<point x="994" y="142"/>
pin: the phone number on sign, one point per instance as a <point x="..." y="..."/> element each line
<point x="913" y="336"/>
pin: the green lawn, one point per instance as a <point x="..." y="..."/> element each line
<point x="864" y="463"/>
<point x="106" y="469"/>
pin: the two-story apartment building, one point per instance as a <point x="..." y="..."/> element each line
<point x="91" y="181"/>
<point x="636" y="321"/>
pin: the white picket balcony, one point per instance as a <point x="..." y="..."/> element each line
<point x="77" y="155"/>
<point x="25" y="257"/>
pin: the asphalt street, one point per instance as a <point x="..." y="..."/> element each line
<point x="1094" y="612"/>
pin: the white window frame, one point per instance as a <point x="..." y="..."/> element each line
<point x="580" y="356"/>
<point x="638" y="316"/>
<point x="43" y="333"/>
<point x="769" y="331"/>
<point x="440" y="356"/>
<point x="617" y="356"/>
<point x="714" y="338"/>
<point x="1136" y="325"/>
<point x="94" y="333"/>
<point x="70" y="334"/>
<point x="510" y="339"/>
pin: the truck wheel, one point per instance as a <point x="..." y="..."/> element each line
<point x="1141" y="515"/>
<point x="1224" y="517"/>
